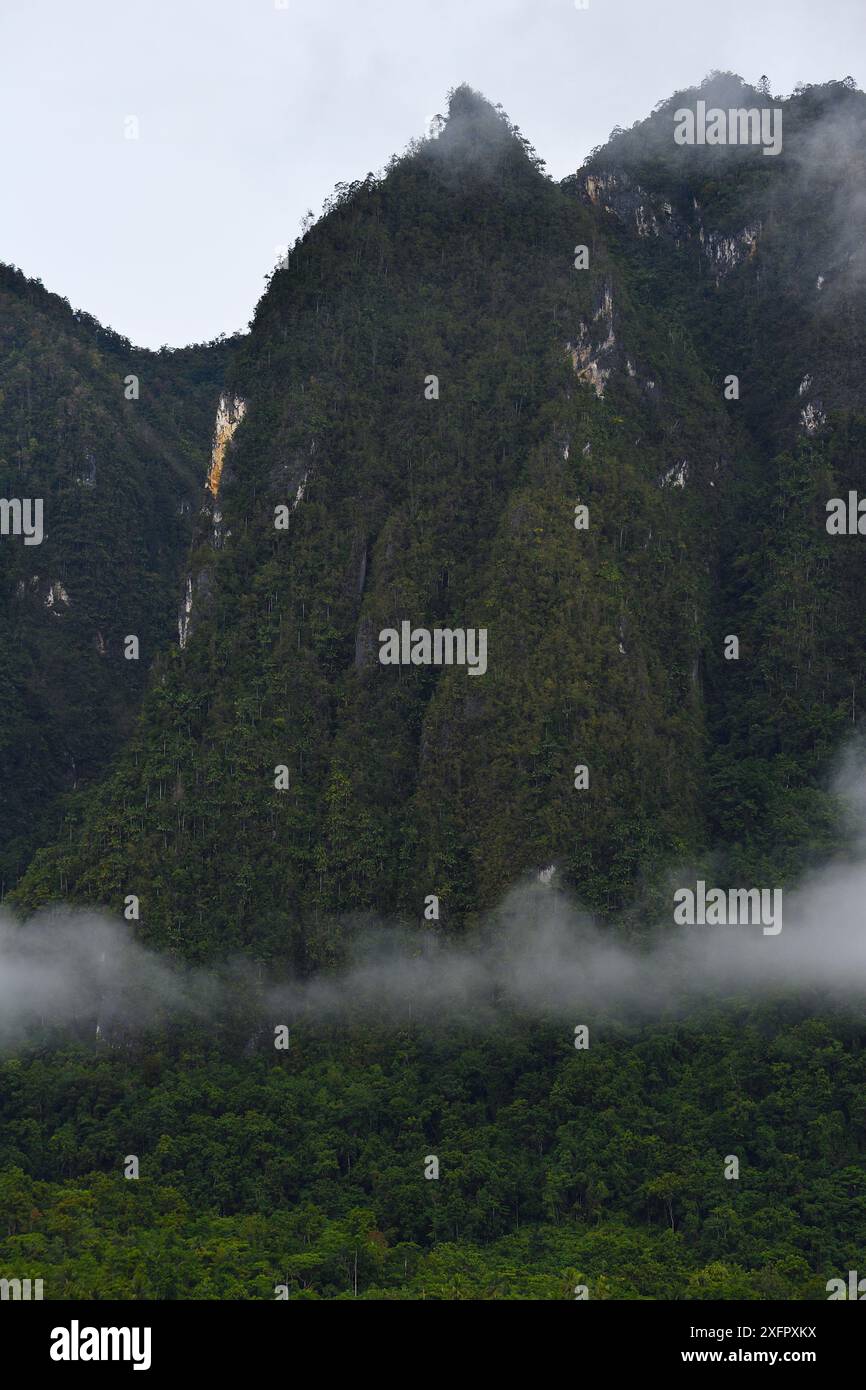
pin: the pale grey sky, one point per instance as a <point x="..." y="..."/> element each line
<point x="250" y="112"/>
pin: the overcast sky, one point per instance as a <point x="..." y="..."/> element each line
<point x="249" y="111"/>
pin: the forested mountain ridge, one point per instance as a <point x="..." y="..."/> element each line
<point x="557" y="388"/>
<point x="453" y="503"/>
<point x="761" y="260"/>
<point x="112" y="441"/>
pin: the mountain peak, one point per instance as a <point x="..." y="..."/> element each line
<point x="477" y="137"/>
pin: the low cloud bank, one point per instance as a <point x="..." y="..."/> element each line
<point x="539" y="954"/>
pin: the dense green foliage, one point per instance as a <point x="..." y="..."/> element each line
<point x="120" y="481"/>
<point x="307" y="1167"/>
<point x="786" y="314"/>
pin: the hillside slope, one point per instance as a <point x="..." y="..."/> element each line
<point x="761" y="261"/>
<point x="118" y="479"/>
<point x="557" y="388"/>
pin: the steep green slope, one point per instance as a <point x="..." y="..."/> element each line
<point x="557" y="387"/>
<point x="119" y="481"/>
<point x="761" y="260"/>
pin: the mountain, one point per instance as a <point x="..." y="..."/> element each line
<point x="598" y="421"/>
<point x="110" y="441"/>
<point x="760" y="261"/>
<point x="557" y="388"/>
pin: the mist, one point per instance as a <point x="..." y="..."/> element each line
<point x="539" y="955"/>
<point x="830" y="165"/>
